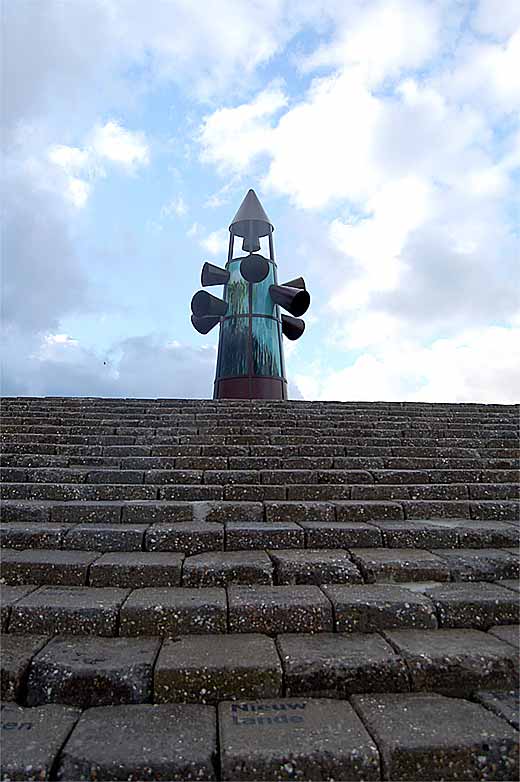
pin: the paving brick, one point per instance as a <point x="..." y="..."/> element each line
<point x="142" y="742"/>
<point x="68" y="609"/>
<point x="336" y="665"/>
<point x="483" y="534"/>
<point x="45" y="566"/>
<point x="233" y="511"/>
<point x="434" y="533"/>
<point x="105" y="537"/>
<point x="211" y="668"/>
<point x="254" y="493"/>
<point x="496" y="510"/>
<point x="294" y="739"/>
<point x="174" y="611"/>
<point x="508" y="633"/>
<point x="93" y="671"/>
<point x="433" y="737"/>
<point x="278" y="609"/>
<point x="20" y="535"/>
<point x="368" y="510"/>
<point x="157" y="512"/>
<point x="32" y="739"/>
<point x="340" y="534"/>
<point x="24" y="512"/>
<point x="259" y="535"/>
<point x="137" y="569"/>
<point x="431" y="509"/>
<point x="387" y="565"/>
<point x="455" y="661"/>
<point x="486" y="564"/>
<point x="504" y="704"/>
<point x="477" y="605"/>
<point x="8" y="596"/>
<point x="373" y="607"/>
<point x="191" y="537"/>
<point x="86" y="512"/>
<point x="299" y="511"/>
<point x="217" y="568"/>
<point x="509" y="583"/>
<point x="314" y="566"/>
<point x="17" y="653"/>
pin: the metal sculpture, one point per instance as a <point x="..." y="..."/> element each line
<point x="250" y="363"/>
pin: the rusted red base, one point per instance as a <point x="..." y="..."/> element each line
<point x="250" y="388"/>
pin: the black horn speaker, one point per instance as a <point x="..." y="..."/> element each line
<point x="299" y="282"/>
<point x="293" y="328"/>
<point x="203" y="304"/>
<point x="254" y="268"/>
<point x="204" y="324"/>
<point x="294" y="300"/>
<point x="213" y="275"/>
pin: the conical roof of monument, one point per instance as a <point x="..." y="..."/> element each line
<point x="251" y="209"/>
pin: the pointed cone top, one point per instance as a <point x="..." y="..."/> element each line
<point x="251" y="209"/>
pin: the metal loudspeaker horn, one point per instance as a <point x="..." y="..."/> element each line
<point x="204" y="324"/>
<point x="213" y="275"/>
<point x="299" y="282"/>
<point x="292" y="328"/>
<point x="294" y="300"/>
<point x="254" y="268"/>
<point x="204" y="304"/>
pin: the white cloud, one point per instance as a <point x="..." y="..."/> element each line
<point x="217" y="241"/>
<point x="477" y="365"/>
<point x="177" y="206"/>
<point x="125" y="148"/>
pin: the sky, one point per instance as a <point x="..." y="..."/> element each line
<point x="382" y="137"/>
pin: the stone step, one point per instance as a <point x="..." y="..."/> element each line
<point x="86" y="671"/>
<point x="145" y="512"/>
<point x="194" y="537"/>
<point x="261" y="608"/>
<point x="408" y="735"/>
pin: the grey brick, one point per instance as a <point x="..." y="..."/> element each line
<point x="44" y="566"/>
<point x="340" y="534"/>
<point x="306" y="739"/>
<point x="208" y="669"/>
<point x="136" y="569"/>
<point x="259" y="535"/>
<point x="157" y="512"/>
<point x="474" y="605"/>
<point x="508" y="633"/>
<point x="428" y="736"/>
<point x="230" y="567"/>
<point x="64" y="609"/>
<point x="192" y="537"/>
<point x="368" y="510"/>
<point x="174" y="611"/>
<point x="233" y="511"/>
<point x="314" y="566"/>
<point x="373" y="607"/>
<point x="455" y="661"/>
<point x="336" y="665"/>
<point x="486" y="564"/>
<point x="504" y="704"/>
<point x="17" y="653"/>
<point x="33" y="758"/>
<point x="278" y="609"/>
<point x="434" y="533"/>
<point x="299" y="511"/>
<point x="400" y="565"/>
<point x="93" y="671"/>
<point x="170" y="741"/>
<point x="105" y="537"/>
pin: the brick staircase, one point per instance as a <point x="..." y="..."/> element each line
<point x="259" y="590"/>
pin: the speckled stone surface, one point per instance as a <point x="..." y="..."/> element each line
<point x="105" y="537"/>
<point x="335" y="665"/>
<point x="191" y="537"/>
<point x="141" y="742"/>
<point x="45" y="566"/>
<point x="17" y="652"/>
<point x="455" y="661"/>
<point x="508" y="633"/>
<point x="505" y="704"/>
<point x="258" y="535"/>
<point x="75" y="610"/>
<point x="135" y="569"/>
<point x="477" y="605"/>
<point x="335" y="534"/>
<point x="294" y="739"/>
<point x="228" y="567"/>
<point x="387" y="565"/>
<point x="19" y="535"/>
<point x="93" y="671"/>
<point x="485" y="564"/>
<point x="278" y="609"/>
<point x="314" y="566"/>
<point x="174" y="611"/>
<point x="208" y="669"/>
<point x="32" y="739"/>
<point x="9" y="595"/>
<point x="428" y="736"/>
<point x="371" y="607"/>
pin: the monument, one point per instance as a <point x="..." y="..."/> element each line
<point x="250" y="362"/>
